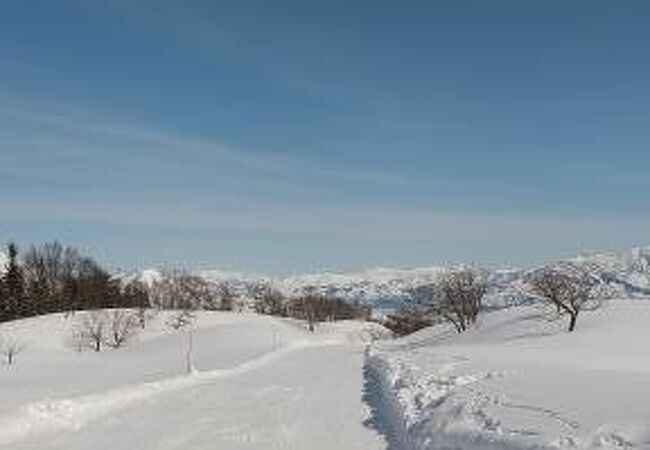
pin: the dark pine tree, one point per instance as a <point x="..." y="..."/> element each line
<point x="12" y="287"/>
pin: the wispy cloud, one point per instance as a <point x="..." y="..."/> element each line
<point x="408" y="234"/>
<point x="148" y="141"/>
<point x="401" y="224"/>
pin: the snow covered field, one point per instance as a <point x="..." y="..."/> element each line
<point x="519" y="381"/>
<point x="515" y="381"/>
<point x="260" y="382"/>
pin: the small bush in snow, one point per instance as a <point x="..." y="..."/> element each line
<point x="90" y="330"/>
<point x="181" y="320"/>
<point x="123" y="326"/>
<point x="406" y="320"/>
<point x="10" y="346"/>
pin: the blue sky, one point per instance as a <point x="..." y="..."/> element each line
<point x="306" y="135"/>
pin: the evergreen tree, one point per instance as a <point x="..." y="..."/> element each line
<point x="12" y="287"/>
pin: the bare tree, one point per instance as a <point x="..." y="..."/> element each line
<point x="59" y="279"/>
<point x="10" y="346"/>
<point x="181" y="290"/>
<point x="136" y="296"/>
<point x="308" y="307"/>
<point x="568" y="288"/>
<point x="309" y="304"/>
<point x="112" y="327"/>
<point x="123" y="325"/>
<point x="455" y="298"/>
<point x="269" y="300"/>
<point x="313" y="306"/>
<point x="198" y="293"/>
<point x="226" y="297"/>
<point x="91" y="329"/>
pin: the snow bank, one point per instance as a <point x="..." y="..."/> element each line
<point x="519" y="381"/>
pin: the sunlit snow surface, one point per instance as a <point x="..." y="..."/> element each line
<point x="521" y="381"/>
<point x="259" y="382"/>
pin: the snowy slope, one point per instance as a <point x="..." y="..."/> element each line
<point x="56" y="397"/>
<point x="306" y="398"/>
<point x="519" y="381"/>
<point x="50" y="366"/>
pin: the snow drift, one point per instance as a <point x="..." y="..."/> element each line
<point x="519" y="381"/>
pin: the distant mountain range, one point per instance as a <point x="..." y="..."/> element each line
<point x="625" y="273"/>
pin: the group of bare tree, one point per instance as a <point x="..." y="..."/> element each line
<point x="456" y="298"/>
<point x="176" y="290"/>
<point x="184" y="291"/>
<point x="268" y="300"/>
<point x="56" y="278"/>
<point x="113" y="328"/>
<point x="309" y="304"/>
<point x="313" y="306"/>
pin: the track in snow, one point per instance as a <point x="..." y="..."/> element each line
<point x="304" y="396"/>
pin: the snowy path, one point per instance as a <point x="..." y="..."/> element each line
<point x="307" y="397"/>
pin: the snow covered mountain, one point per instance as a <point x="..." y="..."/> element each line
<point x="626" y="273"/>
<point x="379" y="287"/>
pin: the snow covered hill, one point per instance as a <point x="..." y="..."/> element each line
<point x="515" y="381"/>
<point x="520" y="381"/>
<point x="55" y="397"/>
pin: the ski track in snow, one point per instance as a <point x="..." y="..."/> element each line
<point x="48" y="416"/>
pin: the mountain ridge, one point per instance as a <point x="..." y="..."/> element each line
<point x="627" y="274"/>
